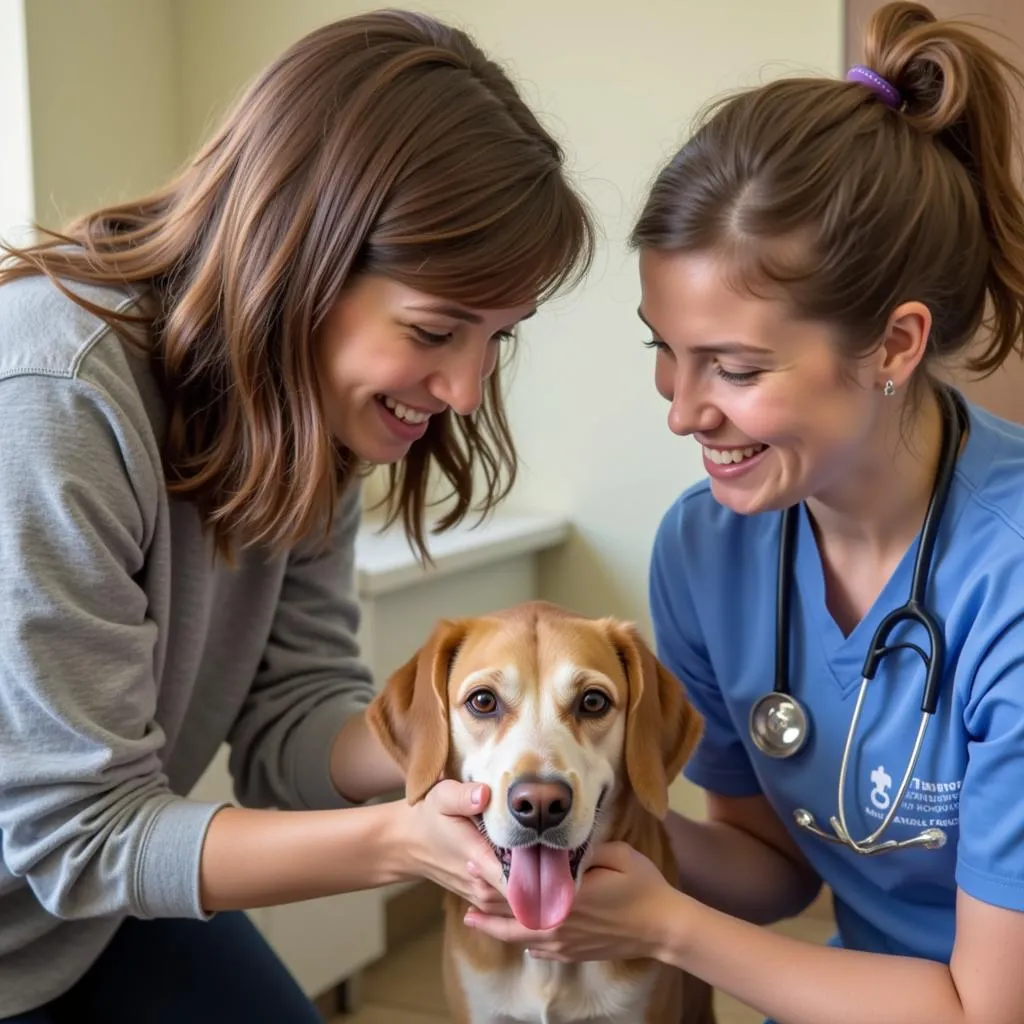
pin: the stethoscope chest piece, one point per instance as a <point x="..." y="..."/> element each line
<point x="778" y="725"/>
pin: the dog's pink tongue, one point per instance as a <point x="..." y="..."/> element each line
<point x="540" y="888"/>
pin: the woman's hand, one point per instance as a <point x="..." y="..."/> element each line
<point x="617" y="913"/>
<point x="442" y="841"/>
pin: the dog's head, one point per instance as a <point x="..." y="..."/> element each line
<point x="559" y="715"/>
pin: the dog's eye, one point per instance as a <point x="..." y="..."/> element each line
<point x="482" y="702"/>
<point x="594" y="702"/>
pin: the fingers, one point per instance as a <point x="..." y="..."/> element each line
<point x="487" y="901"/>
<point x="487" y="896"/>
<point x="543" y="954"/>
<point x="505" y="929"/>
<point x="488" y="870"/>
<point x="490" y="906"/>
<point x="460" y="798"/>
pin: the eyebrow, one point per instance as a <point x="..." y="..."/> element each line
<point x="719" y="347"/>
<point x="458" y="312"/>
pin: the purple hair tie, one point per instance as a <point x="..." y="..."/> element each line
<point x="877" y="84"/>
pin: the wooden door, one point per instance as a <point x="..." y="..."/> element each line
<point x="1002" y="23"/>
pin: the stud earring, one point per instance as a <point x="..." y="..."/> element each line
<point x="890" y="389"/>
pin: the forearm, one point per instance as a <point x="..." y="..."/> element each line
<point x="724" y="867"/>
<point x="798" y="983"/>
<point x="361" y="768"/>
<point x="254" y="858"/>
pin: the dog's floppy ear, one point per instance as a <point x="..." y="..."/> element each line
<point x="410" y="714"/>
<point x="662" y="727"/>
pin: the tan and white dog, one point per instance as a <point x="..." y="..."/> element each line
<point x="577" y="729"/>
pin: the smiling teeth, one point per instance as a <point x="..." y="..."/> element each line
<point x="405" y="414"/>
<point x="726" y="456"/>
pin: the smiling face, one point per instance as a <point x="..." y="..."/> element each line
<point x="390" y="357"/>
<point x="779" y="414"/>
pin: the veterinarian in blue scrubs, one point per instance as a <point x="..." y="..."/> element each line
<point x="808" y="260"/>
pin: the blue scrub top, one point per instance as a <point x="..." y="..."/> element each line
<point x="712" y="592"/>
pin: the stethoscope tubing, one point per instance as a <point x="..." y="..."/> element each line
<point x="914" y="610"/>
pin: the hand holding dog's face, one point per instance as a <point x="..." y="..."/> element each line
<point x="615" y="916"/>
<point x="442" y="840"/>
<point x="556" y="714"/>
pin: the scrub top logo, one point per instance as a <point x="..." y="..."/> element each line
<point x="926" y="804"/>
<point x="881" y="783"/>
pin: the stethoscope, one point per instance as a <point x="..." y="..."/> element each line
<point x="779" y="724"/>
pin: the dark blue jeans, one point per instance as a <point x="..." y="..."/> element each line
<point x="177" y="971"/>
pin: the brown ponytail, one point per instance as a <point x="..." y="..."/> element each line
<point x="850" y="207"/>
<point x="959" y="90"/>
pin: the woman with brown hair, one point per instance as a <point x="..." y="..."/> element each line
<point x="810" y="260"/>
<point x="191" y="387"/>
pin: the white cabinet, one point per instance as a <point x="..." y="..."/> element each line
<point x="475" y="570"/>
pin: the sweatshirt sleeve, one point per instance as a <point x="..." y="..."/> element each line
<point x="86" y="814"/>
<point x="311" y="680"/>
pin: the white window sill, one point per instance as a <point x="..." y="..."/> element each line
<point x="385" y="562"/>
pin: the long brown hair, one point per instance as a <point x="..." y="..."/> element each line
<point x="387" y="143"/>
<point x="817" y="190"/>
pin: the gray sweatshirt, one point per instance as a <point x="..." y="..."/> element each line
<point x="128" y="654"/>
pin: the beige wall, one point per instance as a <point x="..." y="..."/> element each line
<point x="223" y="43"/>
<point x="103" y="94"/>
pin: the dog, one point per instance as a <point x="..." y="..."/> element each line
<point x="577" y="729"/>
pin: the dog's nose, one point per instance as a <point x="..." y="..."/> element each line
<point x="539" y="805"/>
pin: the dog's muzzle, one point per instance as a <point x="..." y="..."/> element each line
<point x="540" y="868"/>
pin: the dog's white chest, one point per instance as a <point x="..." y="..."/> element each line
<point x="545" y="992"/>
